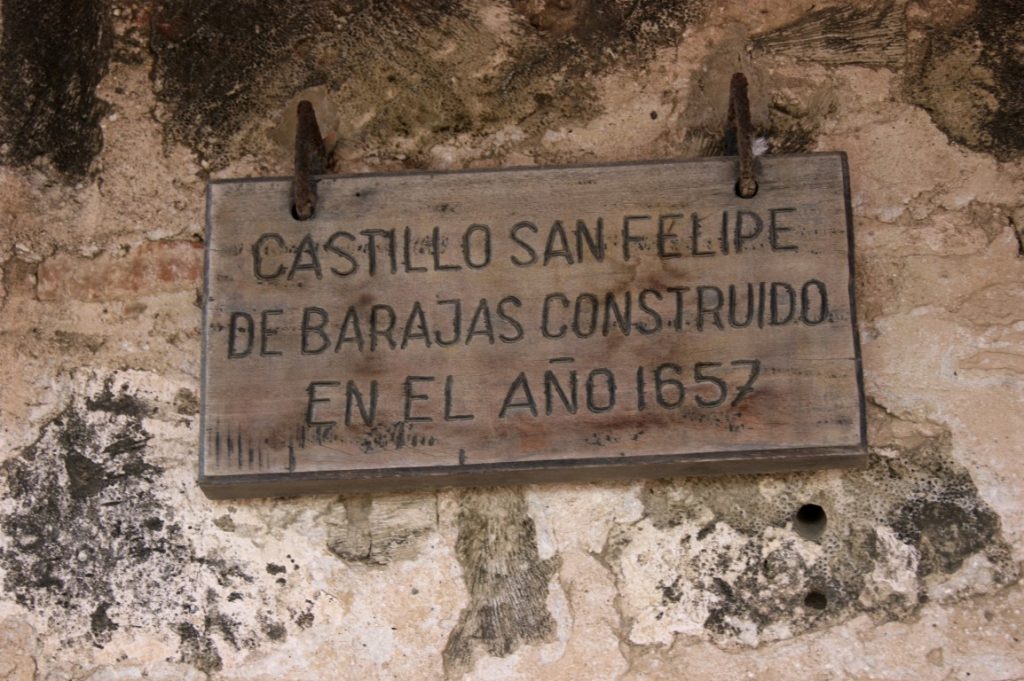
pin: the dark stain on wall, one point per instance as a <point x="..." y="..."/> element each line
<point x="549" y="78"/>
<point x="413" y="69"/>
<point x="118" y="401"/>
<point x="968" y="76"/>
<point x="506" y="579"/>
<point x="52" y="56"/>
<point x="413" y="66"/>
<point x="93" y="548"/>
<point x="100" y="622"/>
<point x="81" y="494"/>
<point x="198" y="649"/>
<point x="218" y="64"/>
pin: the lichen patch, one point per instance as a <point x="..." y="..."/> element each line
<point x="91" y="545"/>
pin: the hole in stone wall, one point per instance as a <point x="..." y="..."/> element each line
<point x="816" y="600"/>
<point x="810" y="521"/>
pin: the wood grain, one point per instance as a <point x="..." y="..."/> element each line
<point x="529" y="324"/>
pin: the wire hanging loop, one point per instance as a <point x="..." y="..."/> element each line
<point x="310" y="158"/>
<point x="739" y="120"/>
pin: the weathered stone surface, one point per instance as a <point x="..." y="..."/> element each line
<point x="17" y="644"/>
<point x="718" y="562"/>
<point x="114" y="566"/>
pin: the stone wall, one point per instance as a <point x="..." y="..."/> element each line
<point x="113" y="115"/>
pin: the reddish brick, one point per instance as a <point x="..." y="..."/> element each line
<point x="155" y="267"/>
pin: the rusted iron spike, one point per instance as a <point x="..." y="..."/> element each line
<point x="310" y="157"/>
<point x="739" y="119"/>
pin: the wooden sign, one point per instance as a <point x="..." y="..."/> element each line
<point x="532" y="324"/>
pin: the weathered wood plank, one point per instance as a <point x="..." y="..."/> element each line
<point x="529" y="324"/>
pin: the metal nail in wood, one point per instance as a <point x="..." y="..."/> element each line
<point x="739" y="120"/>
<point x="310" y="155"/>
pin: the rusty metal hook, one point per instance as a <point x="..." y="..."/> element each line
<point x="310" y="159"/>
<point x="739" y="120"/>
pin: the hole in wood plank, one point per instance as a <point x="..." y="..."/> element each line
<point x="742" y="195"/>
